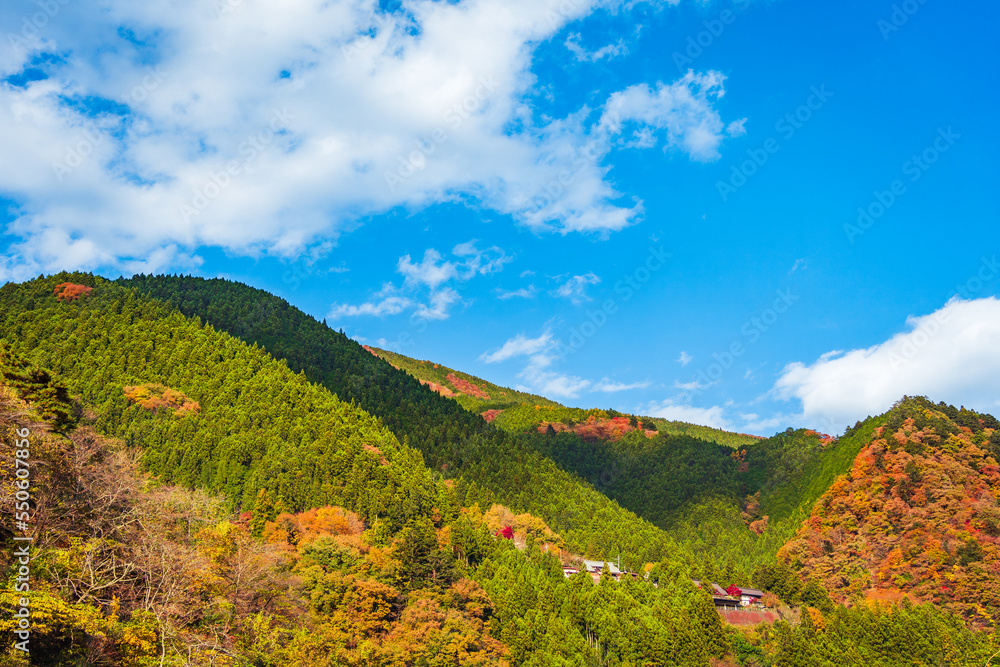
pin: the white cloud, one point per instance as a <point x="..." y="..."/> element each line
<point x="737" y="128"/>
<point x="713" y="416"/>
<point x="429" y="271"/>
<point x="432" y="272"/>
<point x="481" y="262"/>
<point x="523" y="293"/>
<point x="951" y="355"/>
<point x="693" y="385"/>
<point x="683" y="109"/>
<point x="385" y="302"/>
<point x="799" y="264"/>
<point x="610" y="51"/>
<point x="684" y="359"/>
<point x="542" y="352"/>
<point x="575" y="288"/>
<point x="548" y="383"/>
<point x="608" y="386"/>
<point x="518" y="346"/>
<point x="323" y="112"/>
<point x="438" y="307"/>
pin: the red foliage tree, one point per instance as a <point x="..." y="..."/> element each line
<point x="71" y="291"/>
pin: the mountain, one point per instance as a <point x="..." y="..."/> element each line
<point x="217" y="477"/>
<point x="325" y="538"/>
<point x="916" y="516"/>
<point x="723" y="497"/>
<point x="487" y="463"/>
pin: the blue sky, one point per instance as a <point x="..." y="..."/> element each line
<point x="748" y="214"/>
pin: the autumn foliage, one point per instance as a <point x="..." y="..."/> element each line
<point x="156" y="397"/>
<point x="467" y="387"/>
<point x="71" y="292"/>
<point x="916" y="517"/>
<point x="597" y="428"/>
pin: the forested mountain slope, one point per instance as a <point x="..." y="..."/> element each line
<point x="138" y="570"/>
<point x="666" y="477"/>
<point x="258" y="430"/>
<point x="516" y="412"/>
<point x="130" y="572"/>
<point x="917" y="515"/>
<point x="473" y="393"/>
<point x="258" y="420"/>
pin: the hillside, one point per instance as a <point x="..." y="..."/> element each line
<point x="116" y="337"/>
<point x="515" y="411"/>
<point x="916" y="516"/>
<point x="260" y="432"/>
<point x="132" y="572"/>
<point x="325" y="540"/>
<point x="665" y="479"/>
<point x="472" y="393"/>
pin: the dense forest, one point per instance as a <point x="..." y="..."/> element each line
<point x="488" y="464"/>
<point x="916" y="516"/>
<point x="201" y="496"/>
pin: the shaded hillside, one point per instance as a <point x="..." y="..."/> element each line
<point x="729" y="508"/>
<point x="916" y="516"/>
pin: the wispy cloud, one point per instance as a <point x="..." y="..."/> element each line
<point x="714" y="416"/>
<point x="519" y="346"/>
<point x="575" y="288"/>
<point x="538" y="373"/>
<point x="684" y="359"/>
<point x="523" y="293"/>
<point x="385" y="302"/>
<point x="573" y="43"/>
<point x="609" y="386"/>
<point x="429" y="275"/>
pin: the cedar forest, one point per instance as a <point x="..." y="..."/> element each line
<point x="219" y="479"/>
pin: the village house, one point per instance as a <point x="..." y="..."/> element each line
<point x="595" y="567"/>
<point x="734" y="597"/>
<point x="751" y="597"/>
